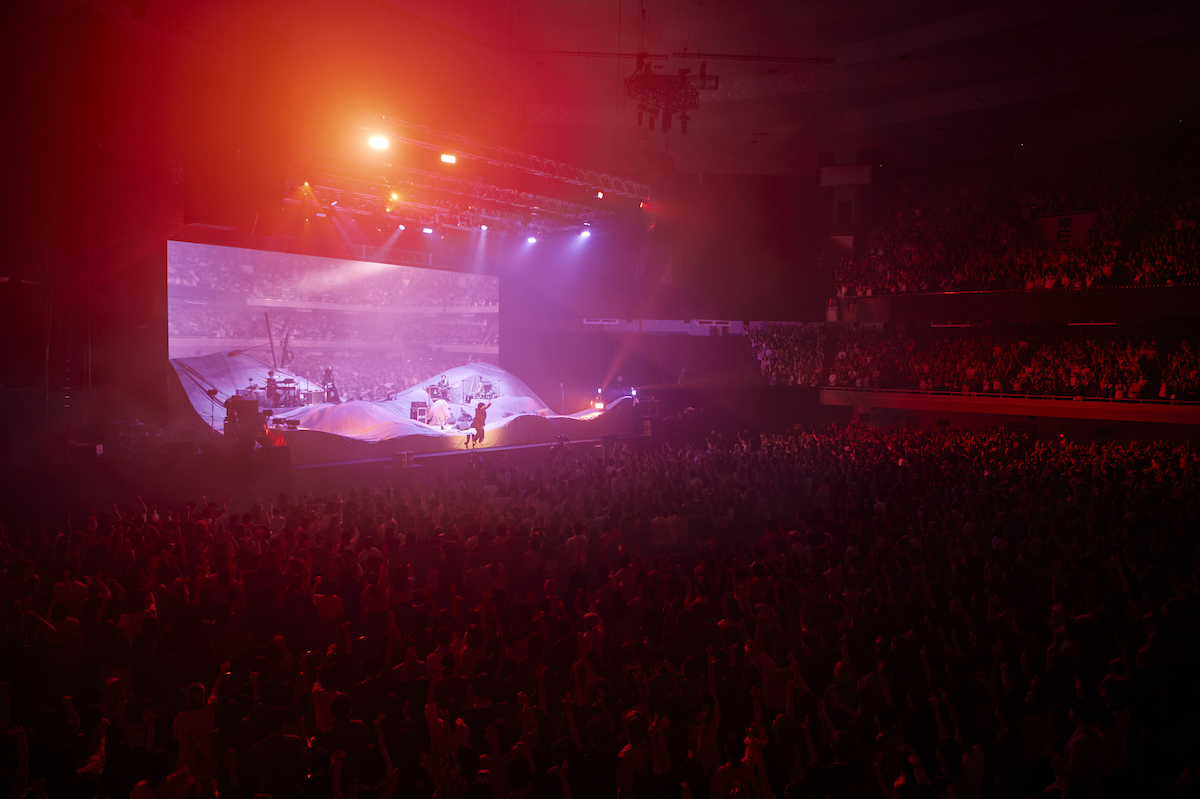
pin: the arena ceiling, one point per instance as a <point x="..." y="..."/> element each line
<point x="922" y="82"/>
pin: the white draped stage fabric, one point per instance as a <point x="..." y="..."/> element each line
<point x="360" y="430"/>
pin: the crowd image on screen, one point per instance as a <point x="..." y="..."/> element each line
<point x="234" y="322"/>
<point x="851" y="612"/>
<point x="974" y="227"/>
<point x="382" y="328"/>
<point x="281" y="276"/>
<point x="1154" y="362"/>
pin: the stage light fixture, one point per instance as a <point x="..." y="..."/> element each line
<point x="395" y="196"/>
<point x="585" y="233"/>
<point x="306" y="184"/>
<point x="532" y="239"/>
<point x="426" y="230"/>
<point x="633" y="392"/>
<point x="449" y="159"/>
<point x="379" y="142"/>
<point x="599" y="195"/>
<point x="401" y="227"/>
<point x="483" y="228"/>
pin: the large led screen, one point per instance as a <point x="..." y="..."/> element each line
<point x="377" y="328"/>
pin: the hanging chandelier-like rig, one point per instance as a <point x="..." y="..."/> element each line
<point x="667" y="96"/>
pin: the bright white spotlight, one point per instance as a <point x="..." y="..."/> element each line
<point x="426" y="230"/>
<point x="532" y="239"/>
<point x="586" y="233"/>
<point x="402" y="227"/>
<point x="599" y="391"/>
<point x="379" y="142"/>
<point x="599" y="195"/>
<point x="483" y="228"/>
<point x="449" y="159"/>
<point x="633" y="392"/>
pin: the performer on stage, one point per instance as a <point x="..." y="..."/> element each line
<point x="329" y="386"/>
<point x="439" y="412"/>
<point x="478" y="423"/>
<point x="272" y="390"/>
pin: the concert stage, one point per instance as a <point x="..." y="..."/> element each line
<point x="359" y="430"/>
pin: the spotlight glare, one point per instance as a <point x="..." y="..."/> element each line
<point x="633" y="392"/>
<point x="401" y="227"/>
<point x="449" y="159"/>
<point x="426" y="230"/>
<point x="395" y="196"/>
<point x="483" y="227"/>
<point x="306" y="184"/>
<point x="379" y="142"/>
<point x="586" y="233"/>
<point x="599" y="195"/>
<point x="532" y="240"/>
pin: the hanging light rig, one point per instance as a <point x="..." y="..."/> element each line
<point x="667" y="95"/>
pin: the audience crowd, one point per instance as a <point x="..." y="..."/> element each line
<point x="852" y="613"/>
<point x="975" y="227"/>
<point x="1048" y="359"/>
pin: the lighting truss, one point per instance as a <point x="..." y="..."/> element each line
<point x="667" y="95"/>
<point x="414" y="207"/>
<point x="447" y="194"/>
<point x="513" y="159"/>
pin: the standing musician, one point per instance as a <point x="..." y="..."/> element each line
<point x="272" y="390"/>
<point x="329" y="386"/>
<point x="478" y="423"/>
